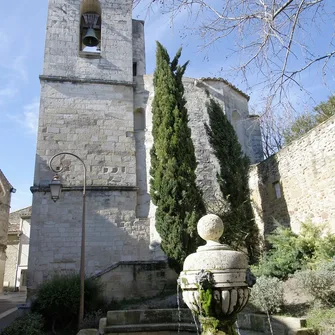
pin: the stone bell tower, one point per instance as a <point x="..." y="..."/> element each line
<point x="93" y="52"/>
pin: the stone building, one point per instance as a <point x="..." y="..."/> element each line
<point x="5" y="196"/>
<point x="298" y="183"/>
<point x="96" y="103"/>
<point x="15" y="278"/>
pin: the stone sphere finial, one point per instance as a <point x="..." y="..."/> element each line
<point x="210" y="228"/>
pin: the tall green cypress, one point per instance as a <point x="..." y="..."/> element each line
<point x="173" y="181"/>
<point x="240" y="227"/>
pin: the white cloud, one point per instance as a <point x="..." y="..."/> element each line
<point x="4" y="40"/>
<point x="8" y="92"/>
<point x="28" y="118"/>
<point x="31" y="116"/>
<point x="19" y="66"/>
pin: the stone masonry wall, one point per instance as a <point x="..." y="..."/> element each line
<point x="196" y="96"/>
<point x="112" y="233"/>
<point x="17" y="247"/>
<point x="87" y="109"/>
<point x="93" y="107"/>
<point x="139" y="47"/>
<point x="11" y="261"/>
<point x="137" y="279"/>
<point x="305" y="173"/>
<point x="62" y="56"/>
<point x="94" y="121"/>
<point x="5" y="198"/>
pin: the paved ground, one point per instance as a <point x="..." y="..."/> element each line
<point x="8" y="307"/>
<point x="11" y="300"/>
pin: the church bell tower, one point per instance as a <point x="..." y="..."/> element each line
<point x="93" y="53"/>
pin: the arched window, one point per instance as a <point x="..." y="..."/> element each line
<point x="139" y="119"/>
<point x="90" y="26"/>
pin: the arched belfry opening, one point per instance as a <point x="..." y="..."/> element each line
<point x="90" y="26"/>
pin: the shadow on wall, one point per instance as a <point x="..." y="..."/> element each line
<point x="143" y="197"/>
<point x="114" y="236"/>
<point x="140" y="129"/>
<point x="273" y="207"/>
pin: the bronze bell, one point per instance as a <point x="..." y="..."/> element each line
<point x="90" y="39"/>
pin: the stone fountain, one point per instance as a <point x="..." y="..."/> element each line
<point x="214" y="280"/>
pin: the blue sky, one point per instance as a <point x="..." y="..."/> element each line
<point x="22" y="33"/>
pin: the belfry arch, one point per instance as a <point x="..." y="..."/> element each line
<point x="90" y="26"/>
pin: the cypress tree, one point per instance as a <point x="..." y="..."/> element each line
<point x="240" y="228"/>
<point x="173" y="181"/>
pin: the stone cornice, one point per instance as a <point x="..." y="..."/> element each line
<point x="61" y="79"/>
<point x="108" y="188"/>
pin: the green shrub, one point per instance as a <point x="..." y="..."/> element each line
<point x="322" y="320"/>
<point x="290" y="252"/>
<point x="283" y="258"/>
<point x="315" y="243"/>
<point x="29" y="324"/>
<point x="58" y="299"/>
<point x="320" y="283"/>
<point x="268" y="294"/>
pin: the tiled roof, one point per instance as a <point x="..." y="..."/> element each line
<point x="23" y="213"/>
<point x="227" y="83"/>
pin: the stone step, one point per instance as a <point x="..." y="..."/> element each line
<point x="301" y="331"/>
<point x="249" y="332"/>
<point x="154" y="327"/>
<point x="155" y="316"/>
<point x="281" y="325"/>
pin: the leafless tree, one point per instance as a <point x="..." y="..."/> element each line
<point x="272" y="129"/>
<point x="272" y="38"/>
<point x="275" y="127"/>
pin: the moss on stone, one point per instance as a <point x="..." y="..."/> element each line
<point x="213" y="326"/>
<point x="206" y="297"/>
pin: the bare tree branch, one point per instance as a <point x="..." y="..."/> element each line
<point x="272" y="37"/>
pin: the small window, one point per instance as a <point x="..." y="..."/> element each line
<point x="277" y="188"/>
<point x="134" y="69"/>
<point x="139" y="119"/>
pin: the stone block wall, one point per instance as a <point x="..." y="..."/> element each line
<point x="87" y="109"/>
<point x="62" y="56"/>
<point x="11" y="262"/>
<point x="234" y="104"/>
<point x="5" y="198"/>
<point x="93" y="106"/>
<point x="112" y="233"/>
<point x="94" y="121"/>
<point x="139" y="47"/>
<point x="17" y="248"/>
<point x="137" y="279"/>
<point x="298" y="183"/>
